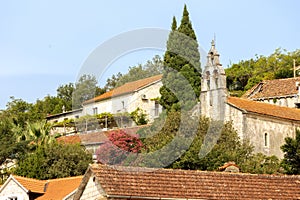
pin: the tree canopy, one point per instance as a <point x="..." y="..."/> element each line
<point x="54" y="161"/>
<point x="176" y="140"/>
<point x="291" y="149"/>
<point x="181" y="67"/>
<point x="247" y="73"/>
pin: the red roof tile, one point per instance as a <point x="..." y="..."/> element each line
<point x="126" y="88"/>
<point x="53" y="189"/>
<point x="273" y="88"/>
<point x="96" y="137"/>
<point x="69" y="139"/>
<point x="265" y="108"/>
<point x="59" y="188"/>
<point x="33" y="185"/>
<point x="191" y="184"/>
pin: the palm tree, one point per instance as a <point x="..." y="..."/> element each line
<point x="37" y="133"/>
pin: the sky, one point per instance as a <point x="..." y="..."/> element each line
<point x="46" y="43"/>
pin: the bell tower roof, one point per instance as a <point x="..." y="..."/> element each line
<point x="213" y="57"/>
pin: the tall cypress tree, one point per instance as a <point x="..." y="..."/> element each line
<point x="181" y="67"/>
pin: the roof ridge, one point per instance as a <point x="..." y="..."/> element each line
<point x="265" y="108"/>
<point x="27" y="178"/>
<point x="263" y="103"/>
<point x="65" y="178"/>
<point x="158" y="75"/>
<point x="124" y="89"/>
<point x="148" y="169"/>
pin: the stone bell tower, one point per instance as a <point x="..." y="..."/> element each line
<point x="213" y="87"/>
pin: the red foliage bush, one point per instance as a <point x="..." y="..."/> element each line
<point x="119" y="146"/>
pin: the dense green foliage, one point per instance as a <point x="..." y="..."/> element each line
<point x="181" y="67"/>
<point x="18" y="111"/>
<point x="176" y="140"/>
<point x="54" y="161"/>
<point x="36" y="133"/>
<point x="139" y="116"/>
<point x="150" y="68"/>
<point x="9" y="148"/>
<point x="65" y="93"/>
<point x="85" y="89"/>
<point x="291" y="149"/>
<point x="247" y="73"/>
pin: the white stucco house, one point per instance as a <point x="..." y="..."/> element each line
<point x="127" y="98"/>
<point x="60" y="117"/>
<point x="60" y="121"/>
<point x="141" y="94"/>
<point x="22" y="188"/>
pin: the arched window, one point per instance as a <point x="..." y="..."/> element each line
<point x="216" y="76"/>
<point x="208" y="80"/>
<point x="266" y="140"/>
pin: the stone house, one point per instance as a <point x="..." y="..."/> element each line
<point x="127" y="98"/>
<point x="263" y="124"/>
<point x="21" y="188"/>
<point x="117" y="182"/>
<point x="266" y="126"/>
<point x="282" y="92"/>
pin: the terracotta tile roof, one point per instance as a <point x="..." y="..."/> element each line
<point x="265" y="108"/>
<point x="69" y="139"/>
<point x="95" y="137"/>
<point x="33" y="185"/>
<point x="126" y="88"/>
<point x="59" y="188"/>
<point x="53" y="189"/>
<point x="50" y="116"/>
<point x="273" y="88"/>
<point x="192" y="184"/>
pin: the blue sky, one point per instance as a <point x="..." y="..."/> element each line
<point x="44" y="43"/>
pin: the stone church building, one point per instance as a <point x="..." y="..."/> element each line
<point x="264" y="124"/>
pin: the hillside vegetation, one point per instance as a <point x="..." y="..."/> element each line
<point x="247" y="73"/>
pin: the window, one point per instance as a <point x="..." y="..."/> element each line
<point x="216" y="76"/>
<point x="208" y="80"/>
<point x="266" y="140"/>
<point x="12" y="198"/>
<point x="156" y="108"/>
<point x="95" y="111"/>
<point x="77" y="117"/>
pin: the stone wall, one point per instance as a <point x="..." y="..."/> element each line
<point x="268" y="134"/>
<point x="235" y="116"/>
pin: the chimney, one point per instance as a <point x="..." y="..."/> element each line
<point x="230" y="167"/>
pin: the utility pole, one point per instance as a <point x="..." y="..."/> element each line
<point x="295" y="68"/>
